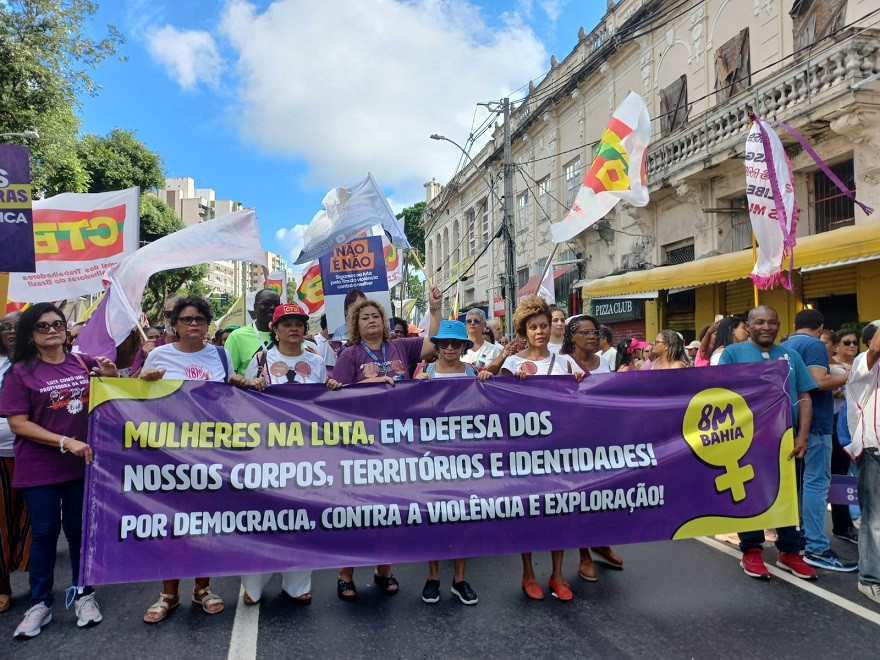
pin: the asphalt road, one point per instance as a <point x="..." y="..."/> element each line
<point x="675" y="599"/>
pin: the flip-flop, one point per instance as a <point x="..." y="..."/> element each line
<point x="342" y="586"/>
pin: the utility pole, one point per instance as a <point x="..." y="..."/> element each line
<point x="507" y="223"/>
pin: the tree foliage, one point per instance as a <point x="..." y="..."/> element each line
<point x="412" y="227"/>
<point x="119" y="161"/>
<point x="46" y="56"/>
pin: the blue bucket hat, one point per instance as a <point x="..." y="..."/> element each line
<point x="452" y="330"/>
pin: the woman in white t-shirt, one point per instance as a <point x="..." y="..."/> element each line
<point x="452" y="341"/>
<point x="284" y="362"/>
<point x="532" y="320"/>
<point x="189" y="358"/>
<point x="557" y="329"/>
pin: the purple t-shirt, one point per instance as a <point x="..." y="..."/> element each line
<point x="56" y="397"/>
<point x="355" y="364"/>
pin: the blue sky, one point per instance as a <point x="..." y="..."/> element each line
<point x="273" y="103"/>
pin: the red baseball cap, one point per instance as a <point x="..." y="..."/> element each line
<point x="290" y="309"/>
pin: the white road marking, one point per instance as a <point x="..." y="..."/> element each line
<point x="806" y="585"/>
<point x="243" y="641"/>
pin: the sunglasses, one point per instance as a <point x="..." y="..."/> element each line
<point x="269" y="304"/>
<point x="192" y="320"/>
<point x="473" y="321"/>
<point x="850" y="342"/>
<point x="454" y="343"/>
<point x="43" y="327"/>
<point x="7" y="327"/>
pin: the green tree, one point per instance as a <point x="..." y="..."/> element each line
<point x="412" y="225"/>
<point x="46" y="55"/>
<point x="119" y="161"/>
<point x="158" y="220"/>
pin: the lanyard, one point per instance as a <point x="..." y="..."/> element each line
<point x="259" y="338"/>
<point x="374" y="358"/>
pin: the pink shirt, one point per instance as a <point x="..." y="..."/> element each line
<point x="700" y="361"/>
<point x="56" y="397"/>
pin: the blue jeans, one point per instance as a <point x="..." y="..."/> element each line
<point x="869" y="531"/>
<point x="50" y="507"/>
<point x="814" y="495"/>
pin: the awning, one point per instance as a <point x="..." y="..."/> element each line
<point x="641" y="295"/>
<point x="531" y="286"/>
<point x="825" y="250"/>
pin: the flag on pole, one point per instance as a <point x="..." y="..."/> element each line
<point x="547" y="287"/>
<point x="772" y="205"/>
<point x="277" y="282"/>
<point x="235" y="236"/>
<point x="393" y="262"/>
<point x="348" y="212"/>
<point x="311" y="290"/>
<point x="237" y="314"/>
<point x="453" y="312"/>
<point x="617" y="173"/>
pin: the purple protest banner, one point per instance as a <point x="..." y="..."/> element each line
<point x="197" y="479"/>
<point x="16" y="217"/>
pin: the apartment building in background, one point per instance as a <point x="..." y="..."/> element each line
<point x="686" y="256"/>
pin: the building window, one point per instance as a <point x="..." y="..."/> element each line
<point x="522" y="211"/>
<point x="522" y="278"/>
<point x="484" y="210"/>
<point x="833" y="208"/>
<point x="674" y="105"/>
<point x="733" y="68"/>
<point x="572" y="181"/>
<point x="813" y="20"/>
<point x="472" y="230"/>
<point x="740" y="225"/>
<point x="677" y="253"/>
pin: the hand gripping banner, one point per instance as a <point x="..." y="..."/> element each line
<point x="195" y="479"/>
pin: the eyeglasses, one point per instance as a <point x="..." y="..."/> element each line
<point x="192" y="320"/>
<point x="473" y="321"/>
<point x="269" y="304"/>
<point x="454" y="343"/>
<point x="167" y="313"/>
<point x="8" y="327"/>
<point x="845" y="342"/>
<point x="43" y="327"/>
<point x="588" y="333"/>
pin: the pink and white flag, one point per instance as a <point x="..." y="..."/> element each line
<point x="235" y="236"/>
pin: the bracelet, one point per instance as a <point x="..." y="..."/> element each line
<point x="435" y="309"/>
<point x="61" y="444"/>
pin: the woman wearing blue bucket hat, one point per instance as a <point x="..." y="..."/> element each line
<point x="451" y="341"/>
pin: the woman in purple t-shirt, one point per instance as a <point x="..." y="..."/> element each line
<point x="371" y="357"/>
<point x="46" y="399"/>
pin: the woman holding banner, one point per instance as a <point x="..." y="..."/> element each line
<point x="15" y="527"/>
<point x="189" y="358"/>
<point x="581" y="343"/>
<point x="284" y="362"/>
<point x="452" y="341"/>
<point x="371" y="357"/>
<point x="532" y="320"/>
<point x="46" y="401"/>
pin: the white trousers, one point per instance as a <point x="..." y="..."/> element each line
<point x="294" y="583"/>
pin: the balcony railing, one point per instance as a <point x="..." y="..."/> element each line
<point x="810" y="80"/>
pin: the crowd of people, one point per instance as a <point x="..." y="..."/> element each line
<point x="44" y="420"/>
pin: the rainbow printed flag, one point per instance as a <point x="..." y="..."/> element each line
<point x="612" y="177"/>
<point x="310" y="291"/>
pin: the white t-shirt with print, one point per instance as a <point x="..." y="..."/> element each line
<point x="281" y="369"/>
<point x="201" y="365"/>
<point x="554" y="347"/>
<point x="483" y="357"/>
<point x="562" y="365"/>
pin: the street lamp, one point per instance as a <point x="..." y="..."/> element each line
<point x="26" y="134"/>
<point x="489" y="183"/>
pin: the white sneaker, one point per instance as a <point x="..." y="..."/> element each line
<point x="34" y="619"/>
<point x="87" y="612"/>
<point x="872" y="591"/>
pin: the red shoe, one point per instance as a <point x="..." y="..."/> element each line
<point x="795" y="564"/>
<point x="753" y="565"/>
<point x="532" y="589"/>
<point x="561" y="590"/>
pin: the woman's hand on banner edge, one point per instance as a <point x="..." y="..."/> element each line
<point x="105" y="368"/>
<point x="240" y="381"/>
<point x="152" y="374"/>
<point x="333" y="384"/>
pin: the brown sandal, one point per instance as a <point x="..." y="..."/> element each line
<point x="208" y="600"/>
<point x="161" y="607"/>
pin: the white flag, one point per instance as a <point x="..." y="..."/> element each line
<point x="617" y="173"/>
<point x="547" y="288"/>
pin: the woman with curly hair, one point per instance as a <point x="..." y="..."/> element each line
<point x="669" y="351"/>
<point x="532" y="320"/>
<point x="371" y="357"/>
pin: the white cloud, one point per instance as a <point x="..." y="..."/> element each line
<point x="189" y="56"/>
<point x="352" y="87"/>
<point x="553" y="8"/>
